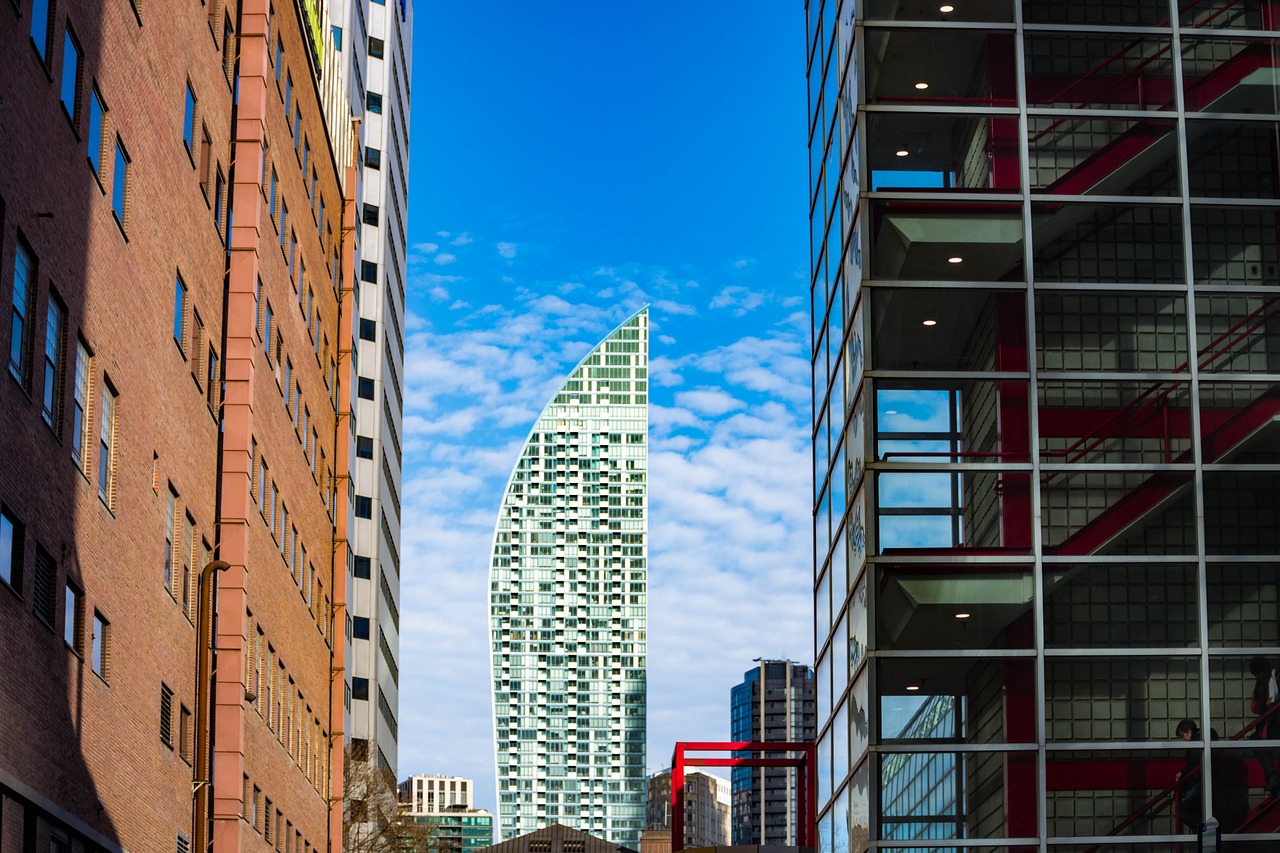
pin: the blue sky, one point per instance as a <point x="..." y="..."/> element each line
<point x="570" y="162"/>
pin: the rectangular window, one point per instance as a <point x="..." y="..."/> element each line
<point x="40" y="28"/>
<point x="297" y="127"/>
<point x="337" y="38"/>
<point x="106" y="446"/>
<point x="212" y="385"/>
<point x="368" y="329"/>
<point x="288" y="91"/>
<point x="73" y="619"/>
<point x="369" y="271"/>
<point x="24" y="278"/>
<point x="320" y="214"/>
<point x="293" y="257"/>
<point x="43" y="586"/>
<point x="364" y="506"/>
<point x="93" y="142"/>
<point x="365" y="388"/>
<point x="284" y="220"/>
<point x="306" y="160"/>
<point x="364" y="447"/>
<point x="271" y="199"/>
<point x="197" y="342"/>
<point x="363" y="567"/>
<point x="189" y="123"/>
<point x="170" y="519"/>
<point x="180" y="315"/>
<point x="11" y="550"/>
<point x="166" y="715"/>
<point x="71" y="77"/>
<point x="263" y="473"/>
<point x="373" y="103"/>
<point x="219" y="191"/>
<point x="373" y="158"/>
<point x="375" y="48"/>
<point x="80" y="404"/>
<point x="370" y="214"/>
<point x="101" y="646"/>
<point x="360" y="688"/>
<point x="188" y="544"/>
<point x="184" y="733"/>
<point x="55" y="322"/>
<point x="297" y="404"/>
<point x="360" y="627"/>
<point x="266" y="334"/>
<point x="120" y="184"/>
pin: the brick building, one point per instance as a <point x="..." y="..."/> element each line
<point x="167" y="276"/>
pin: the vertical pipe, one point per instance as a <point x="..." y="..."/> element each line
<point x="677" y="799"/>
<point x="205" y="591"/>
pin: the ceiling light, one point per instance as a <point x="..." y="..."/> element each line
<point x="913" y="687"/>
<point x="962" y="615"/>
<point x="922" y="85"/>
<point x="945" y="9"/>
<point x="954" y="259"/>
<point x="902" y="152"/>
<point x="930" y="322"/>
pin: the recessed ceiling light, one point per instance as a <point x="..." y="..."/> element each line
<point x="930" y="322"/>
<point x="922" y="85"/>
<point x="902" y="152"/>
<point x="913" y="687"/>
<point x="962" y="615"/>
<point x="954" y="259"/>
<point x="945" y="9"/>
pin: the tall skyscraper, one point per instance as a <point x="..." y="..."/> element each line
<point x="172" y="253"/>
<point x="373" y="39"/>
<point x="567" y="611"/>
<point x="707" y="807"/>
<point x="1045" y="355"/>
<point x="773" y="702"/>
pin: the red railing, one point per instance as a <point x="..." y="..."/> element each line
<point x="1151" y="804"/>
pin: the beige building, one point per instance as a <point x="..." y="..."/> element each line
<point x="707" y="807"/>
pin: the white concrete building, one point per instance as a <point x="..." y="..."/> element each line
<point x="567" y="604"/>
<point x="373" y="40"/>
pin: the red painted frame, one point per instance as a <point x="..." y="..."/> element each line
<point x="806" y="790"/>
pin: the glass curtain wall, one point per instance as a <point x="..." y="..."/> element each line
<point x="1046" y="371"/>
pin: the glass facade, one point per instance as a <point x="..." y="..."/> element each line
<point x="1045" y="240"/>
<point x="568" y="609"/>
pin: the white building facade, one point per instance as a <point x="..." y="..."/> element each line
<point x="373" y="39"/>
<point x="568" y="609"/>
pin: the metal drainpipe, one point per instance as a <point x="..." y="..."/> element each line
<point x="201" y="781"/>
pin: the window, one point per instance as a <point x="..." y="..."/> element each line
<point x="101" y="661"/>
<point x="80" y="403"/>
<point x="337" y="38"/>
<point x="219" y="191"/>
<point x="369" y="271"/>
<point x="189" y="123"/>
<point x="197" y="342"/>
<point x="170" y="519"/>
<point x="184" y="733"/>
<point x="293" y="257"/>
<point x="266" y="333"/>
<point x="71" y="76"/>
<point x="271" y="199"/>
<point x="368" y="330"/>
<point x="11" y="536"/>
<point x="188" y="543"/>
<point x="364" y="447"/>
<point x="52" y="402"/>
<point x="120" y="185"/>
<point x="40" y="26"/>
<point x="288" y="90"/>
<point x="93" y="142"/>
<point x="360" y="627"/>
<point x="297" y="126"/>
<point x="363" y="567"/>
<point x="73" y="619"/>
<point x="106" y="446"/>
<point x="212" y="386"/>
<point x="373" y="158"/>
<point x="166" y="715"/>
<point x="373" y="103"/>
<point x="43" y="586"/>
<point x="364" y="507"/>
<point x="24" y="277"/>
<point x="365" y="390"/>
<point x="180" y="315"/>
<point x="206" y="159"/>
<point x="360" y="688"/>
<point x="263" y="473"/>
<point x="228" y="48"/>
<point x="375" y="48"/>
<point x="370" y="215"/>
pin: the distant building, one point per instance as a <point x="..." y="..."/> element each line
<point x="567" y="603"/>
<point x="706" y="807"/>
<point x="557" y="838"/>
<point x="774" y="702"/>
<point x="445" y="802"/>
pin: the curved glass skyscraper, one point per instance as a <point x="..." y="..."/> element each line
<point x="567" y="604"/>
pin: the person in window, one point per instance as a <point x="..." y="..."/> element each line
<point x="1190" y="780"/>
<point x="1265" y="703"/>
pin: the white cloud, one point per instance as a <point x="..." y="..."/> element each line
<point x="712" y="402"/>
<point x="445" y="258"/>
<point x="742" y="263"/>
<point x="740" y="300"/>
<point x="425" y="248"/>
<point x="462" y="240"/>
<point x="666" y="340"/>
<point x="507" y="250"/>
